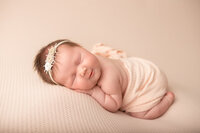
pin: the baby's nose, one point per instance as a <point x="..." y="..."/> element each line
<point x="83" y="71"/>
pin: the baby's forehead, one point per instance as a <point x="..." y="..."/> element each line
<point x="63" y="48"/>
<point x="65" y="54"/>
<point x="62" y="53"/>
<point x="60" y="63"/>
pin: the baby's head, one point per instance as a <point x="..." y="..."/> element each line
<point x="66" y="63"/>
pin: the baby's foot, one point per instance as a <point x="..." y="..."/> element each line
<point x="157" y="110"/>
<point x="169" y="97"/>
<point x="162" y="107"/>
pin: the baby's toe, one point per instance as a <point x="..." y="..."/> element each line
<point x="170" y="96"/>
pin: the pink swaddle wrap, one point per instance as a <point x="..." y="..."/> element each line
<point x="146" y="83"/>
<point x="146" y="87"/>
<point x="106" y="51"/>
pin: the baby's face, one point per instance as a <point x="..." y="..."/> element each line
<point x="76" y="68"/>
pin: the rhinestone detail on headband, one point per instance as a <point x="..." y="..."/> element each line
<point x="50" y="59"/>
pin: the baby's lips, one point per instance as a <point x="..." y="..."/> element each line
<point x="91" y="73"/>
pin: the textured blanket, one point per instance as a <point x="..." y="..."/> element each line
<point x="106" y="51"/>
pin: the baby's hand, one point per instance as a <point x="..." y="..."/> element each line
<point x="89" y="92"/>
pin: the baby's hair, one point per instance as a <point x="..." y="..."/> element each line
<point x="40" y="58"/>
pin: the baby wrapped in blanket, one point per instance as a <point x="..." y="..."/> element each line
<point x="117" y="82"/>
<point x="147" y="84"/>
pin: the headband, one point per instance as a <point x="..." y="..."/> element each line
<point x="50" y="59"/>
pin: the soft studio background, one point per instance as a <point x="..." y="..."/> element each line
<point x="166" y="32"/>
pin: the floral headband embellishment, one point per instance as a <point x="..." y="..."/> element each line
<point x="50" y="59"/>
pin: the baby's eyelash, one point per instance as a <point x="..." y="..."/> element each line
<point x="80" y="58"/>
<point x="78" y="61"/>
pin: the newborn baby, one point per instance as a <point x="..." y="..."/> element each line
<point x="132" y="85"/>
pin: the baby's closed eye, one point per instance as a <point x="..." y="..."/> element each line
<point x="78" y="61"/>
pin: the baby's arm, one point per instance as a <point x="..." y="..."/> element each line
<point x="111" y="102"/>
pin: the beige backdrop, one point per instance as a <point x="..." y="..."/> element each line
<point x="166" y="32"/>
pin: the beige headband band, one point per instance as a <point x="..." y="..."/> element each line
<point x="50" y="59"/>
